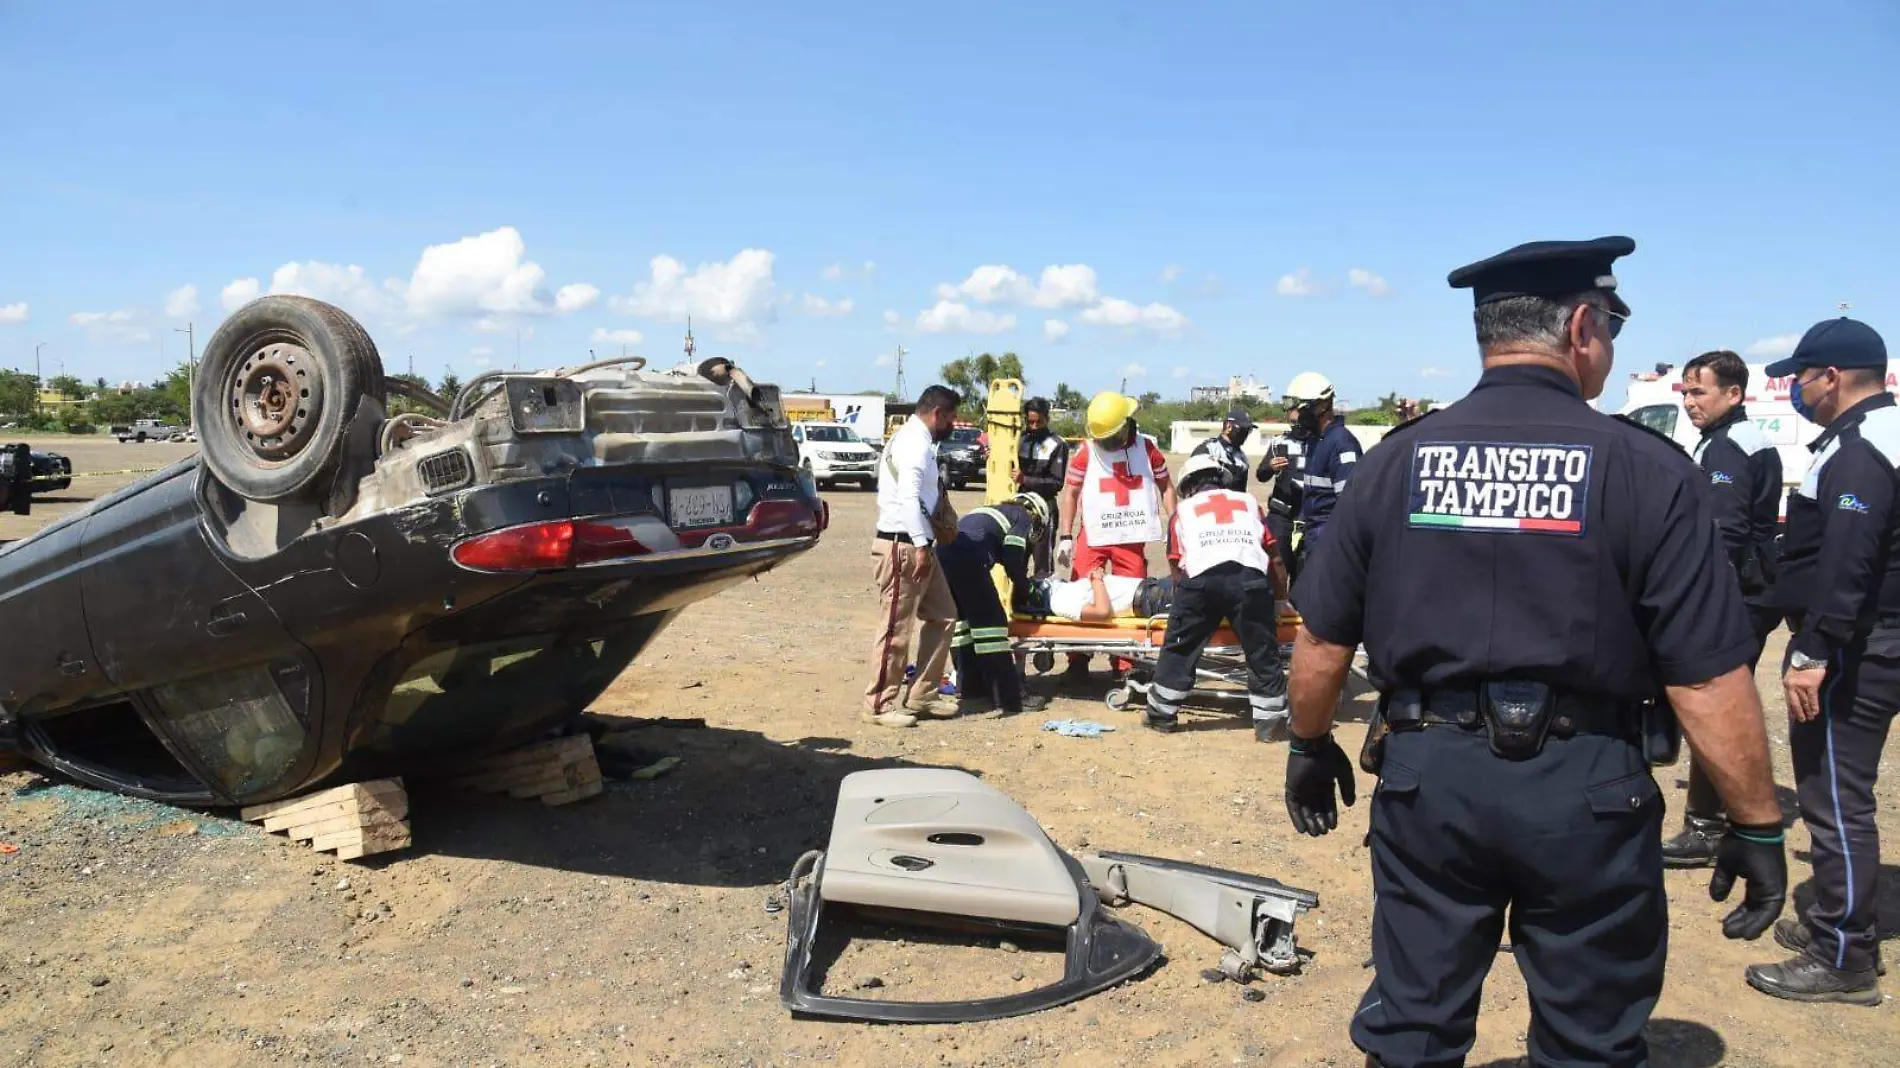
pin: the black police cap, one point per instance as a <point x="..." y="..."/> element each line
<point x="1240" y="417"/>
<point x="1546" y="269"/>
<point x="1843" y="343"/>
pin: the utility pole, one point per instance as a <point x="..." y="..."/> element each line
<point x="900" y="373"/>
<point x="191" y="364"/>
<point x="690" y="347"/>
<point x="38" y="387"/>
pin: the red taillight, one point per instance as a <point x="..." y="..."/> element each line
<point x="552" y="546"/>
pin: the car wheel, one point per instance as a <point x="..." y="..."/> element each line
<point x="281" y="379"/>
<point x="141" y="439"/>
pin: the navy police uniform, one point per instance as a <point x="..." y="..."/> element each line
<point x="1744" y="479"/>
<point x="1043" y="458"/>
<point x="1232" y="461"/>
<point x="1328" y="466"/>
<point x="997" y="534"/>
<point x="1515" y="550"/>
<point x="1283" y="501"/>
<point x="1840" y="584"/>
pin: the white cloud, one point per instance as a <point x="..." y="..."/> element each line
<point x="817" y="305"/>
<point x="1171" y="272"/>
<point x="1122" y="313"/>
<point x="1773" y="347"/>
<point x="485" y="273"/>
<point x="1054" y="330"/>
<point x="617" y="337"/>
<point x="13" y="313"/>
<point x="1433" y="372"/>
<point x="572" y="298"/>
<point x="182" y="303"/>
<point x="820" y="364"/>
<point x="240" y="292"/>
<point x="892" y="319"/>
<point x="1360" y="278"/>
<point x="1135" y="370"/>
<point x="481" y="350"/>
<point x="349" y="288"/>
<point x="124" y="326"/>
<point x="736" y="295"/>
<point x="883" y="359"/>
<point x="1060" y="286"/>
<point x="1181" y="372"/>
<point x="839" y="272"/>
<point x="1298" y="284"/>
<point x="949" y="316"/>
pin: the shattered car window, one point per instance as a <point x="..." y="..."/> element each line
<point x="236" y="723"/>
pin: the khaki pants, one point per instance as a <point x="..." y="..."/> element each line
<point x="902" y="597"/>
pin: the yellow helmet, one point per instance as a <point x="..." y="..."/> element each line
<point x="1107" y="412"/>
<point x="1307" y="387"/>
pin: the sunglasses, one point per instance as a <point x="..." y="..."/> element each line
<point x="1616" y="321"/>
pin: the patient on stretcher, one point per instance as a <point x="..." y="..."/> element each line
<point x="1096" y="599"/>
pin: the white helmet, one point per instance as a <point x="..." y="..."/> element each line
<point x="1306" y="387"/>
<point x="1201" y="463"/>
<point x="1033" y="503"/>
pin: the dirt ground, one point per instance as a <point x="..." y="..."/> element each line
<point x="633" y="929"/>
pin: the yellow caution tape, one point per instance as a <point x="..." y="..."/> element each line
<point x="98" y="474"/>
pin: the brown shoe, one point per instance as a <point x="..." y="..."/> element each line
<point x="934" y="708"/>
<point x="889" y="719"/>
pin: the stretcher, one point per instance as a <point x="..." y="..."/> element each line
<point x="1138" y="640"/>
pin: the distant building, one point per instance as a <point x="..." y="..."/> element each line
<point x="1208" y="394"/>
<point x="1236" y="390"/>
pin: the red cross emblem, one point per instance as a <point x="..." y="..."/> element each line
<point x="1122" y="484"/>
<point x="1223" y="509"/>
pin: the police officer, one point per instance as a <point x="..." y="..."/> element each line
<point x="1004" y="534"/>
<point x="1525" y="574"/>
<point x="1042" y="462"/>
<point x="1840" y="583"/>
<point x="1744" y="483"/>
<point x="1329" y="463"/>
<point x="1220" y="543"/>
<point x="1285" y="464"/>
<point x="1225" y="449"/>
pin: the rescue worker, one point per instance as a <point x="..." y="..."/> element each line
<point x="1234" y="432"/>
<point x="1309" y="402"/>
<point x="1526" y="573"/>
<point x="1744" y="485"/>
<point x="1119" y="495"/>
<point x="987" y="677"/>
<point x="1224" y="553"/>
<point x="910" y="585"/>
<point x="1840" y="583"/>
<point x="1285" y="463"/>
<point x="1042" y="462"/>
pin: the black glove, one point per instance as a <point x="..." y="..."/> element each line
<point x="1758" y="857"/>
<point x="1313" y="765"/>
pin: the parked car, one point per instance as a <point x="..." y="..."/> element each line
<point x="324" y="593"/>
<point x="963" y="457"/>
<point x="16" y="479"/>
<point x="144" y="430"/>
<point x="833" y="452"/>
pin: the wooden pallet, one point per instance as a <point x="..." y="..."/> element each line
<point x="355" y="821"/>
<point x="558" y="772"/>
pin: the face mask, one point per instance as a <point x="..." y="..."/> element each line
<point x="1309" y="418"/>
<point x="1238" y="436"/>
<point x="1801" y="406"/>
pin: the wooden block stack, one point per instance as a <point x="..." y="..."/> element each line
<point x="557" y="772"/>
<point x="355" y="820"/>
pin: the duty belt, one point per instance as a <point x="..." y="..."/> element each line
<point x="1572" y="713"/>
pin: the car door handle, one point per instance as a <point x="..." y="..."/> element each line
<point x="225" y="621"/>
<point x="71" y="666"/>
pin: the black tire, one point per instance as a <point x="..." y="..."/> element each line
<point x="280" y="381"/>
<point x="141" y="437"/>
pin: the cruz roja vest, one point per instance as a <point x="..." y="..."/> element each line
<point x="1220" y="526"/>
<point x="1120" y="505"/>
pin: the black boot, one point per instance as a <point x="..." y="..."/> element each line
<point x="1794" y="935"/>
<point x="1034" y="702"/>
<point x="1806" y="979"/>
<point x="1270" y="730"/>
<point x="1156" y="721"/>
<point x="1695" y="846"/>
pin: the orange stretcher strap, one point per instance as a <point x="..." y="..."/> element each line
<point x="1148" y="631"/>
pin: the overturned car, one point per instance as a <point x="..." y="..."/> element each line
<point x="327" y="591"/>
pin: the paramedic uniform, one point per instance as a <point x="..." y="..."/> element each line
<point x="1120" y="510"/>
<point x="1222" y="545"/>
<point x="986" y="668"/>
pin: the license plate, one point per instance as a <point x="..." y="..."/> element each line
<point x="688" y="507"/>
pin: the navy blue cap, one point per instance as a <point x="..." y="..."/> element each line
<point x="1240" y="417"/>
<point x="1842" y="343"/>
<point x="1546" y="269"/>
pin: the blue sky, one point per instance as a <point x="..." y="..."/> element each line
<point x="1207" y="180"/>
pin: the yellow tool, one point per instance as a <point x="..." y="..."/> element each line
<point x="1003" y="422"/>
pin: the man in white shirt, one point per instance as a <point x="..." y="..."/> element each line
<point x="910" y="585"/>
<point x="1098" y="598"/>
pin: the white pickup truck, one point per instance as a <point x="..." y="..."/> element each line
<point x="145" y="430"/>
<point x="833" y="452"/>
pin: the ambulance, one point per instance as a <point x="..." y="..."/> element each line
<point x="1655" y="400"/>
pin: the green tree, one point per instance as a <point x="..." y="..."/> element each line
<point x="1149" y="399"/>
<point x="399" y="405"/>
<point x="1068" y="397"/>
<point x="971" y="376"/>
<point x="451" y="385"/>
<point x="99" y="384"/>
<point x="68" y="386"/>
<point x="18" y="394"/>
